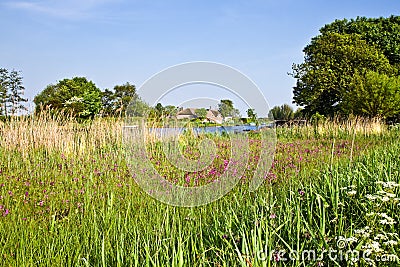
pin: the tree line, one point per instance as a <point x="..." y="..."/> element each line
<point x="352" y="67"/>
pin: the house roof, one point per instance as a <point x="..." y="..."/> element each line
<point x="187" y="111"/>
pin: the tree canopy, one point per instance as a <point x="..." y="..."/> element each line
<point x="334" y="58"/>
<point x="373" y="94"/>
<point x="284" y="112"/>
<point x="77" y="96"/>
<point x="226" y="108"/>
<point x="116" y="102"/>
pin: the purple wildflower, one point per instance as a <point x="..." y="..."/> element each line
<point x="301" y="192"/>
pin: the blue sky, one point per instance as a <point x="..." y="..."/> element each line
<point x="113" y="42"/>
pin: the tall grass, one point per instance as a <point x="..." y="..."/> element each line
<point x="67" y="197"/>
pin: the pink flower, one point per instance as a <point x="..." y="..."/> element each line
<point x="41" y="202"/>
<point x="272" y="216"/>
<point x="213" y="172"/>
<point x="187" y="179"/>
<point x="6" y="212"/>
<point x="301" y="192"/>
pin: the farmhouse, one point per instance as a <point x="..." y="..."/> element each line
<point x="190" y="113"/>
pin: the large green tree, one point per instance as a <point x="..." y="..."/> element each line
<point x="343" y="49"/>
<point x="77" y="96"/>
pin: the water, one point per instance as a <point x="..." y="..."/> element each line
<point x="214" y="129"/>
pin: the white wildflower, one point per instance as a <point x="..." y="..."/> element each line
<point x="390" y="243"/>
<point x="371" y="197"/>
<point x="351" y="239"/>
<point x="375" y="246"/>
<point x="391" y="195"/>
<point x="386" y="221"/>
<point x="389" y="184"/>
<point x="380" y="237"/>
<point x="351" y="193"/>
<point x="385" y="199"/>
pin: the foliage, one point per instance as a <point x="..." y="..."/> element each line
<point x="341" y="50"/>
<point x="159" y="109"/>
<point x="116" y="102"/>
<point x="201" y="113"/>
<point x="284" y="112"/>
<point x="170" y="111"/>
<point x="77" y="96"/>
<point x="252" y="115"/>
<point x="317" y="118"/>
<point x="299" y="114"/>
<point x="226" y="108"/>
<point x="380" y="32"/>
<point x="11" y="92"/>
<point x="374" y="95"/>
<point x="3" y="90"/>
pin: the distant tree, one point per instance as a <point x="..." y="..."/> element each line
<point x="11" y="92"/>
<point x="252" y="115"/>
<point x="4" y="80"/>
<point x="139" y="108"/>
<point x="16" y="91"/>
<point x="116" y="102"/>
<point x="77" y="96"/>
<point x="284" y="112"/>
<point x="299" y="114"/>
<point x="170" y="111"/>
<point x="108" y="100"/>
<point x="226" y="108"/>
<point x="159" y="109"/>
<point x="373" y="94"/>
<point x="201" y="113"/>
<point x="124" y="95"/>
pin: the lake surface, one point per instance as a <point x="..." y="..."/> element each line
<point x="214" y="129"/>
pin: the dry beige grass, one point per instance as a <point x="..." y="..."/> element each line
<point x="63" y="134"/>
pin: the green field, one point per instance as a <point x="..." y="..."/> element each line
<point x="67" y="198"/>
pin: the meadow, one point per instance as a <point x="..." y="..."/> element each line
<point x="69" y="198"/>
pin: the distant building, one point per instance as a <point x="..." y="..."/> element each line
<point x="190" y="113"/>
